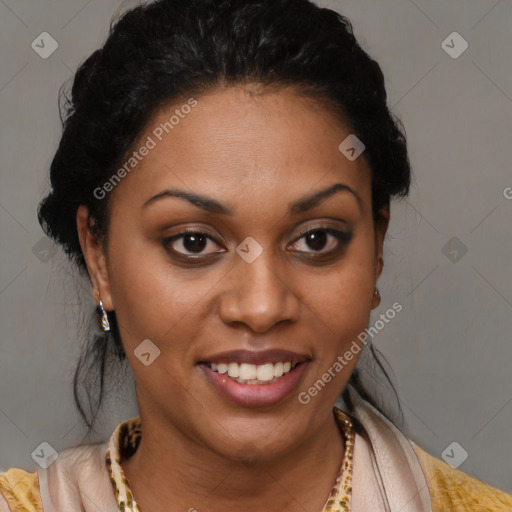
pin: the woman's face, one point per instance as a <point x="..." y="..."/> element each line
<point x="245" y="288"/>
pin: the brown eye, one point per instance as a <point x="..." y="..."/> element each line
<point x="317" y="239"/>
<point x="190" y="243"/>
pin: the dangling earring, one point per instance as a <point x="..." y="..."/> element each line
<point x="376" y="297"/>
<point x="105" y="324"/>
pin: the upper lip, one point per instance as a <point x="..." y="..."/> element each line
<point x="256" y="357"/>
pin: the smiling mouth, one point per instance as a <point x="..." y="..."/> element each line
<point x="254" y="374"/>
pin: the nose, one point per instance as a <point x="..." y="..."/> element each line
<point x="258" y="296"/>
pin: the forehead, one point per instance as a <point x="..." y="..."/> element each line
<point x="238" y="145"/>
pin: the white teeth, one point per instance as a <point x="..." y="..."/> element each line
<point x="248" y="371"/>
<point x="233" y="370"/>
<point x="265" y="372"/>
<point x="222" y="368"/>
<point x="253" y="373"/>
<point x="278" y="369"/>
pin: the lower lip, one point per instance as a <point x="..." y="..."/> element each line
<point x="255" y="395"/>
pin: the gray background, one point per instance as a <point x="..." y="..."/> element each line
<point x="450" y="347"/>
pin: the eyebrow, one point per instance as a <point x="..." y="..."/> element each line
<point x="296" y="207"/>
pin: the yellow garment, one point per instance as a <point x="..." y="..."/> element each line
<point x="21" y="490"/>
<point x="451" y="490"/>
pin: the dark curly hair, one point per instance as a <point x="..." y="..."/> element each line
<point x="164" y="50"/>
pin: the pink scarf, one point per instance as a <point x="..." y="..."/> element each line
<point x="387" y="475"/>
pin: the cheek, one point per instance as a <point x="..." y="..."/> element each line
<point x="340" y="319"/>
<point x="151" y="299"/>
<point x="340" y="315"/>
<point x="345" y="298"/>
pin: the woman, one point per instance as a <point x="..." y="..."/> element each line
<point x="224" y="178"/>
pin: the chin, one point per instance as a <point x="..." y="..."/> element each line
<point x="250" y="442"/>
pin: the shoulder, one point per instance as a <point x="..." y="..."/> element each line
<point x="19" y="491"/>
<point x="454" y="490"/>
<point x="22" y="491"/>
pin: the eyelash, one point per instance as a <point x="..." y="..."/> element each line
<point x="342" y="237"/>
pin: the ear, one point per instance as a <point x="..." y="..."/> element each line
<point x="95" y="259"/>
<point x="381" y="227"/>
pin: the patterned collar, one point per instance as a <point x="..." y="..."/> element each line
<point x="126" y="438"/>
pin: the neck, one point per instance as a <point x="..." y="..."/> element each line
<point x="169" y="468"/>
